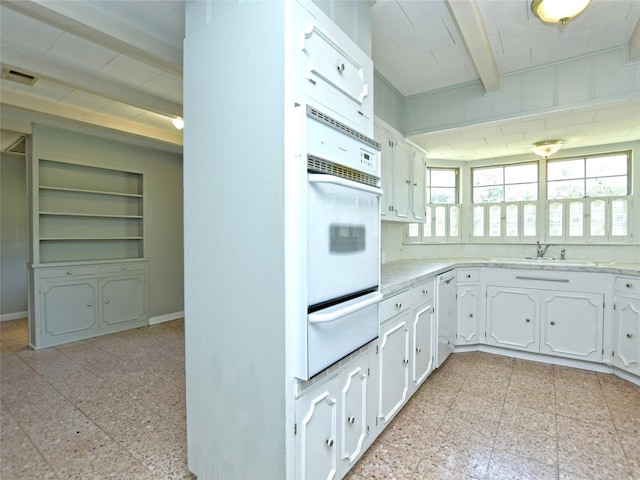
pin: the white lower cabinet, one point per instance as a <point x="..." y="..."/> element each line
<point x="76" y="302"/>
<point x="626" y="336"/>
<point x="564" y="324"/>
<point x="332" y="422"/>
<point x="422" y="358"/>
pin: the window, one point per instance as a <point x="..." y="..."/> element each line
<point x="588" y="199"/>
<point x="504" y="202"/>
<point x="442" y="221"/>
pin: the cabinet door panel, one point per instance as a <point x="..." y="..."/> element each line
<point x="627" y="338"/>
<point x="468" y="311"/>
<point x="402" y="174"/>
<point x="394" y="371"/>
<point x="422" y="348"/>
<point x="418" y="204"/>
<point x="122" y="299"/>
<point x="512" y="316"/>
<point x="69" y="308"/>
<point x="572" y="325"/>
<point x="317" y="449"/>
<point x="354" y="413"/>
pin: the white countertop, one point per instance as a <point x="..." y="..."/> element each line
<point x="402" y="274"/>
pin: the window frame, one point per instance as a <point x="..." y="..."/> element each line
<point x="504" y="184"/>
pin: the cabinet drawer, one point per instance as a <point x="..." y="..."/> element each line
<point x="423" y="292"/>
<point x="73" y="271"/>
<point x="391" y="306"/>
<point x="628" y="285"/>
<point x="467" y="275"/>
<point x="122" y="267"/>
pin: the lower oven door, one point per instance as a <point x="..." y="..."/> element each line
<point x="336" y="331"/>
<point x="343" y="238"/>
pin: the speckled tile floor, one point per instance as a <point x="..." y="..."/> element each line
<point x="114" y="407"/>
<point x="109" y="407"/>
<point x="483" y="416"/>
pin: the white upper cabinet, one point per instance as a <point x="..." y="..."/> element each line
<point x="331" y="72"/>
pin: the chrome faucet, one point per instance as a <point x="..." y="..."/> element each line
<point x="542" y="250"/>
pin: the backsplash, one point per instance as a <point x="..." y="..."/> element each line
<point x="392" y="235"/>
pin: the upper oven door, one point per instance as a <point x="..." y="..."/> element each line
<point x="343" y="238"/>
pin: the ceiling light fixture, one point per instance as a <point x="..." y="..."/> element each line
<point x="558" y="11"/>
<point x="546" y="148"/>
<point x="178" y="123"/>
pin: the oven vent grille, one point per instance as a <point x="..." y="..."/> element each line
<point x="328" y="372"/>
<point x="315" y="164"/>
<point x="332" y="122"/>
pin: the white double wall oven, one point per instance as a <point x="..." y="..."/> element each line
<point x="343" y="241"/>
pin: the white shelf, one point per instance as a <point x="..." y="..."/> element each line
<point x="96" y="215"/>
<point x="95" y="192"/>
<point x="64" y="239"/>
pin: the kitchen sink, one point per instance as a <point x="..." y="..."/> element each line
<point x="544" y="261"/>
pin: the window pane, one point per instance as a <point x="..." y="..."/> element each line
<point x="555" y="219"/>
<point x="565" y="189"/>
<point x="529" y="220"/>
<point x="494" y="221"/>
<point x="443" y="195"/>
<point x="488" y="194"/>
<point x="488" y="176"/>
<point x="512" y="221"/>
<point x="454" y="221"/>
<point x="598" y="228"/>
<point x="606" y="187"/>
<point x="515" y="193"/>
<point x="601" y="166"/>
<point x="427" y="223"/>
<point x="521" y="173"/>
<point x="478" y="221"/>
<point x="414" y="231"/>
<point x="619" y="217"/>
<point x="443" y="178"/>
<point x="565" y="169"/>
<point x="576" y="219"/>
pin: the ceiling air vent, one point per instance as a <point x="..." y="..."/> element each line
<point x="18" y="77"/>
<point x="19" y="146"/>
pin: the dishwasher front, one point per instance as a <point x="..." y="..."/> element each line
<point x="445" y="315"/>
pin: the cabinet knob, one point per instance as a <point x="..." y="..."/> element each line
<point x="408" y="182"/>
<point x="471" y="315"/>
<point x="124" y="267"/>
<point x="418" y="349"/>
<point x="528" y="320"/>
<point x="468" y="275"/>
<point x="629" y="335"/>
<point x="341" y="67"/>
<point x="415" y="184"/>
<point x="398" y="305"/>
<point x="425" y="291"/>
<point x="107" y="301"/>
<point x="629" y="285"/>
<point x="352" y="420"/>
<point x="553" y="323"/>
<point x="71" y="271"/>
<point x="329" y="442"/>
<point x="89" y="305"/>
<point x="405" y="361"/>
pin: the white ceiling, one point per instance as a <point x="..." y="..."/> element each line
<point x="118" y="63"/>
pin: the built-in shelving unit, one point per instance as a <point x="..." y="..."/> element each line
<point x="88" y="213"/>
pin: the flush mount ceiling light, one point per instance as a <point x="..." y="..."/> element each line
<point x="546" y="148"/>
<point x="178" y="123"/>
<point x="558" y="11"/>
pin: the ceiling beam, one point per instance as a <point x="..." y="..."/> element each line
<point x="633" y="47"/>
<point x="96" y="25"/>
<point x="467" y="15"/>
<point x="45" y="68"/>
<point x="23" y="101"/>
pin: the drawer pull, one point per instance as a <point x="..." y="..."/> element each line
<point x="398" y="305"/>
<point x="543" y="279"/>
<point x="89" y="305"/>
<point x="418" y="349"/>
<point x="107" y="301"/>
<point x="71" y="272"/>
<point x="528" y="320"/>
<point x="629" y="335"/>
<point x="471" y="315"/>
<point x="468" y="275"/>
<point x="124" y="267"/>
<point x="352" y="420"/>
<point x="329" y="442"/>
<point x="425" y="291"/>
<point x="629" y="285"/>
<point x="405" y="361"/>
<point x="553" y="323"/>
<point x="341" y="67"/>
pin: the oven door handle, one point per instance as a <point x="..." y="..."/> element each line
<point x="324" y="178"/>
<point x="343" y="312"/>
